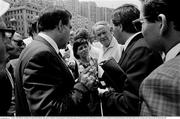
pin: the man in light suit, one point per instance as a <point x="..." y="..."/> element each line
<point x="160" y="91"/>
<point x="44" y="84"/>
<point x="137" y="61"/>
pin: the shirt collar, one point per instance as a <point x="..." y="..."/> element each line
<point x="129" y="40"/>
<point x="113" y="42"/>
<point x="50" y="41"/>
<point x="172" y="52"/>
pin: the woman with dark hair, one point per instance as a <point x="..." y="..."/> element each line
<point x="81" y="49"/>
<point x="86" y="63"/>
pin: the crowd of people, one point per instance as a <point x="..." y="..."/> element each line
<point x="129" y="69"/>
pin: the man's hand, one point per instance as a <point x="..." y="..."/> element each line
<point x="88" y="80"/>
<point x="102" y="91"/>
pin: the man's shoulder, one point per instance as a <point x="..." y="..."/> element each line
<point x="138" y="42"/>
<point x="34" y="48"/>
<point x="163" y="81"/>
<point x="168" y="70"/>
<point x="141" y="42"/>
<point x="37" y="45"/>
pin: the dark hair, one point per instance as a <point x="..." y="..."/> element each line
<point x="82" y="33"/>
<point x="152" y="8"/>
<point x="49" y="18"/>
<point x="124" y="15"/>
<point x="82" y="37"/>
<point x="33" y="28"/>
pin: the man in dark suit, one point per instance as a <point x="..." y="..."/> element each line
<point x="160" y="91"/>
<point x="6" y="82"/>
<point x="137" y="61"/>
<point x="44" y="84"/>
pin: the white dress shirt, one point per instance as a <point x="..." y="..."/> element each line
<point x="172" y="52"/>
<point x="113" y="50"/>
<point x="129" y="40"/>
<point x="50" y="41"/>
<point x="28" y="40"/>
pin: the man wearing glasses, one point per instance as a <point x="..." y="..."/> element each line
<point x="160" y="91"/>
<point x="5" y="77"/>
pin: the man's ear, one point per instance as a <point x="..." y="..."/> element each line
<point x="164" y="26"/>
<point x="120" y="27"/>
<point x="60" y="26"/>
<point x="111" y="29"/>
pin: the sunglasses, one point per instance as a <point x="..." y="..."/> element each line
<point x="141" y="20"/>
<point x="7" y="32"/>
<point x="19" y="42"/>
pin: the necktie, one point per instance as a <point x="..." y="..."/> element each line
<point x="60" y="54"/>
<point x="123" y="51"/>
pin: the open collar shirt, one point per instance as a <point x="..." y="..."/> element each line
<point x="173" y="52"/>
<point x="50" y="41"/>
<point x="113" y="50"/>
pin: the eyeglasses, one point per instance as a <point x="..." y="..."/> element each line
<point x="7" y="32"/>
<point x="19" y="42"/>
<point x="140" y="20"/>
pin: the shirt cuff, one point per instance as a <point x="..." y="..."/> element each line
<point x="100" y="72"/>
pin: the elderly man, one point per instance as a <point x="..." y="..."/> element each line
<point x="44" y="84"/>
<point x="160" y="91"/>
<point x="111" y="48"/>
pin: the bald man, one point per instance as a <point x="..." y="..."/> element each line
<point x="111" y="48"/>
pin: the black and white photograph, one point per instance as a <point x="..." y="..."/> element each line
<point x="89" y="58"/>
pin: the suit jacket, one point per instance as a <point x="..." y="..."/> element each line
<point x="44" y="84"/>
<point x="6" y="92"/>
<point x="137" y="61"/>
<point x="160" y="91"/>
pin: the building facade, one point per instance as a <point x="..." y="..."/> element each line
<point x="22" y="12"/>
<point x="72" y="6"/>
<point x="19" y="17"/>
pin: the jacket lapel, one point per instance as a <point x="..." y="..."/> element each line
<point x="59" y="57"/>
<point x="130" y="45"/>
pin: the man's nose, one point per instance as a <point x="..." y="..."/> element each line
<point x="22" y="46"/>
<point x="83" y="48"/>
<point x="9" y="46"/>
<point x="102" y="35"/>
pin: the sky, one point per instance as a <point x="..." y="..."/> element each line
<point x="114" y="3"/>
